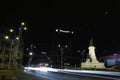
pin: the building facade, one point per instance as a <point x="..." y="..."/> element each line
<point x="112" y="60"/>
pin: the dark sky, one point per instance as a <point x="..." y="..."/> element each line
<point x="99" y="19"/>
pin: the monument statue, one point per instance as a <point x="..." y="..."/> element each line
<point x="92" y="61"/>
<point x="91" y="42"/>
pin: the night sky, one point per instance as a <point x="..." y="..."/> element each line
<point x="99" y="19"/>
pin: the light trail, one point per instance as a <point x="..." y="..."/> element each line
<point x="94" y="72"/>
<point x="64" y="31"/>
<point x="101" y="74"/>
<point x="44" y="69"/>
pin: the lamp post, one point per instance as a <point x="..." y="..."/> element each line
<point x="30" y="54"/>
<point x="10" y="52"/>
<point x="61" y="53"/>
<point x="15" y="56"/>
<point x="30" y="59"/>
<point x="11" y="41"/>
<point x="61" y="46"/>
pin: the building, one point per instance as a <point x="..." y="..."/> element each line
<point x="112" y="60"/>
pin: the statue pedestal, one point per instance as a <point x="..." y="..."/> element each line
<point x="93" y="64"/>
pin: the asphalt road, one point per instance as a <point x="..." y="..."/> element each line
<point x="40" y="75"/>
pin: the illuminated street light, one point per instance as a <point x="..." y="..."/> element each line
<point x="17" y="38"/>
<point x="30" y="53"/>
<point x="15" y="55"/>
<point x="11" y="30"/>
<point x="60" y="32"/>
<point x="6" y="37"/>
<point x="66" y="46"/>
<point x="72" y="32"/>
<point x="56" y="30"/>
<point x="22" y="23"/>
<point x="11" y="42"/>
<point x="30" y="58"/>
<point x="25" y="28"/>
<point x="62" y="51"/>
<point x="59" y="45"/>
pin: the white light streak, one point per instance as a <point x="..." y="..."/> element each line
<point x="64" y="31"/>
<point x="44" y="69"/>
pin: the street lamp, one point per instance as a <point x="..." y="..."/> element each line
<point x="11" y="45"/>
<point x="22" y="23"/>
<point x="30" y="58"/>
<point x="60" y="32"/>
<point x="62" y="52"/>
<point x="30" y="53"/>
<point x="6" y="37"/>
<point x="11" y="41"/>
<point x="17" y="38"/>
<point x="10" y="52"/>
<point x="11" y="30"/>
<point x="15" y="56"/>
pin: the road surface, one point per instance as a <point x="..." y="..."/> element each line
<point x="41" y="75"/>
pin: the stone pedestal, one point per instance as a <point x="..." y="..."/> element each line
<point x="92" y="65"/>
<point x="92" y="62"/>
